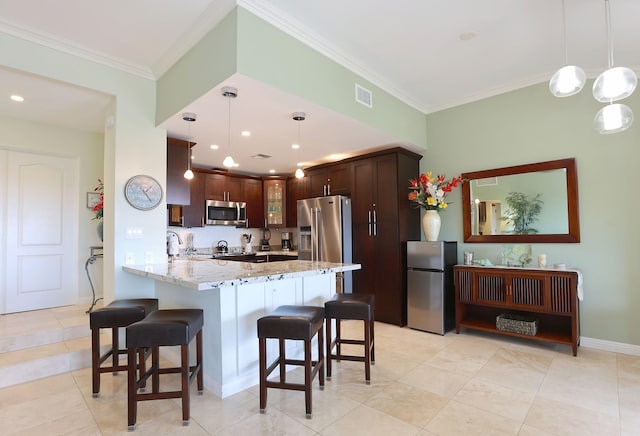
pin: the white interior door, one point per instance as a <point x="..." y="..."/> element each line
<point x="41" y="231"/>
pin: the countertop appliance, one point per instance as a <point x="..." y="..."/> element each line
<point x="430" y="290"/>
<point x="264" y="242"/>
<point x="286" y="241"/>
<point x="324" y="233"/>
<point x="222" y="247"/>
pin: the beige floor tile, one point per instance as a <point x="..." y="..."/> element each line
<point x="570" y="419"/>
<point x="517" y="369"/>
<point x="528" y="430"/>
<point x="457" y="419"/>
<point x="495" y="398"/>
<point x="366" y="421"/>
<point x="76" y="424"/>
<point x="407" y="403"/>
<point x="273" y="422"/>
<point x="439" y="381"/>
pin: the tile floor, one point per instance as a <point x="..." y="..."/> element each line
<point x="422" y="384"/>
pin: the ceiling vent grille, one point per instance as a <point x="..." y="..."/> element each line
<point x="364" y="96"/>
<point x="488" y="181"/>
<point x="261" y="156"/>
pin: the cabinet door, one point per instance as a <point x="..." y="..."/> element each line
<point x="339" y="179"/>
<point x="527" y="293"/>
<point x="491" y="289"/>
<point x="234" y="188"/>
<point x="194" y="213"/>
<point x="362" y="195"/>
<point x="215" y="187"/>
<point x="317" y="182"/>
<point x="296" y="190"/>
<point x="177" y="185"/>
<point x="252" y="194"/>
<point x="275" y="202"/>
<point x="364" y="279"/>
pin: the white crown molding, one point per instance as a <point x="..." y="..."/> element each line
<point x="303" y="34"/>
<point x="69" y="47"/>
<point x="614" y="347"/>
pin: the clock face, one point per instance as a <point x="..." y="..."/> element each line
<point x="143" y="192"/>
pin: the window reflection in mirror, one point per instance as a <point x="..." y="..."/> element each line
<point x="491" y="210"/>
<point x="486" y="203"/>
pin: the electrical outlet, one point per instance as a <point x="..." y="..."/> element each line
<point x="130" y="259"/>
<point x="148" y="257"/>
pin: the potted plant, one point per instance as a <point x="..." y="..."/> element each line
<point x="523" y="212"/>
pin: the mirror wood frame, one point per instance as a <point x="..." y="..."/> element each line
<point x="572" y="203"/>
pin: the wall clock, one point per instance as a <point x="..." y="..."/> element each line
<point x="143" y="192"/>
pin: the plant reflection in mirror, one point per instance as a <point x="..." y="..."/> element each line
<point x="523" y="212"/>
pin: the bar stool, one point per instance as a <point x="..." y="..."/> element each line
<point x="118" y="313"/>
<point x="351" y="307"/>
<point x="164" y="328"/>
<point x="296" y="323"/>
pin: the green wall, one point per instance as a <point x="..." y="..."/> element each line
<point x="529" y="125"/>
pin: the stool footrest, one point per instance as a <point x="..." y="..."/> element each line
<point x="280" y="385"/>
<point x="350" y="342"/>
<point x="347" y="357"/>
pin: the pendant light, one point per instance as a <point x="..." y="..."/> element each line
<point x="617" y="82"/>
<point x="299" y="117"/>
<point x="570" y="79"/>
<point x="613" y="118"/>
<point x="189" y="117"/>
<point x="230" y="93"/>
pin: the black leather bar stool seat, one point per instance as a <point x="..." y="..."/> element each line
<point x="164" y="328"/>
<point x="296" y="323"/>
<point x="351" y="307"/>
<point x="118" y="313"/>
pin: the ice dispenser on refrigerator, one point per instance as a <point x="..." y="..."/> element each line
<point x="430" y="290"/>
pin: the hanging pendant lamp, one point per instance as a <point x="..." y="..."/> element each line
<point x="189" y="117"/>
<point x="613" y="118"/>
<point x="570" y="79"/>
<point x="617" y="82"/>
<point x="299" y="117"/>
<point x="230" y="93"/>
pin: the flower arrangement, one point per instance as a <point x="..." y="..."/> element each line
<point x="99" y="207"/>
<point x="429" y="192"/>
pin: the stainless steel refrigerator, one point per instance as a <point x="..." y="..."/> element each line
<point x="324" y="233"/>
<point x="430" y="291"/>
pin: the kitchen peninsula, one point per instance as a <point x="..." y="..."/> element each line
<point x="233" y="296"/>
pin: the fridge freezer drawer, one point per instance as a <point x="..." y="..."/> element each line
<point x="425" y="301"/>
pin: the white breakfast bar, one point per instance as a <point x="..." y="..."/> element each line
<point x="233" y="296"/>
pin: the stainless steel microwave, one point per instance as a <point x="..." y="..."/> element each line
<point x="226" y="213"/>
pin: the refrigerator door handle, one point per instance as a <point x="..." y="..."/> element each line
<point x="369" y="221"/>
<point x="375" y="224"/>
<point x="317" y="235"/>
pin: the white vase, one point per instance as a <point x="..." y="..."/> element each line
<point x="431" y="225"/>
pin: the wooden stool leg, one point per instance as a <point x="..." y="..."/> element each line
<point x="329" y="348"/>
<point x="200" y="377"/>
<point x="95" y="361"/>
<point x="142" y="367"/>
<point x="115" y="346"/>
<point x="184" y="373"/>
<point x="321" y="358"/>
<point x="132" y="408"/>
<point x="367" y="352"/>
<point x="338" y="354"/>
<point x="262" y="345"/>
<point x="282" y="359"/>
<point x="307" y="377"/>
<point x="373" y="341"/>
<point x="155" y="370"/>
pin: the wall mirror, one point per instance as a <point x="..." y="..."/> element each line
<point x="492" y="202"/>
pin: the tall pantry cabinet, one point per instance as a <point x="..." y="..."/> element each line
<point x="383" y="220"/>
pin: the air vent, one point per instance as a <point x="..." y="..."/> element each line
<point x="364" y="96"/>
<point x="261" y="156"/>
<point x="488" y="181"/>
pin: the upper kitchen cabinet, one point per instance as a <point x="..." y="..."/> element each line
<point x="223" y="187"/>
<point x="332" y="179"/>
<point x="193" y="215"/>
<point x="252" y="195"/>
<point x="177" y="158"/>
<point x="383" y="219"/>
<point x="297" y="189"/>
<point x="275" y="194"/>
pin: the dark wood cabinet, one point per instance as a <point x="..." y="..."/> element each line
<point x="548" y="296"/>
<point x="332" y="179"/>
<point x="193" y="215"/>
<point x="382" y="220"/>
<point x="297" y="189"/>
<point x="223" y="187"/>
<point x="253" y="196"/>
<point x="177" y="158"/>
<point x="275" y="202"/>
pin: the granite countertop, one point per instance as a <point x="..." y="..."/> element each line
<point x="203" y="274"/>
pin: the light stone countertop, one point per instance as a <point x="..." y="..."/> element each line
<point x="204" y="274"/>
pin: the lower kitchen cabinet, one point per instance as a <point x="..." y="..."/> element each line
<point x="548" y="297"/>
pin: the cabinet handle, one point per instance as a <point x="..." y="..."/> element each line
<point x="375" y="223"/>
<point x="329" y="189"/>
<point x="202" y="221"/>
<point x="182" y="221"/>
<point x="369" y="221"/>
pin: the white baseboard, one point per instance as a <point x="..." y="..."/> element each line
<point x="614" y="347"/>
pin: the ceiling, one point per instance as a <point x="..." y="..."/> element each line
<point x="430" y="54"/>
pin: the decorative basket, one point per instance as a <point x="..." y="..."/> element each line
<point x="524" y="325"/>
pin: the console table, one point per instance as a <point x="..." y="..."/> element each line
<point x="550" y="296"/>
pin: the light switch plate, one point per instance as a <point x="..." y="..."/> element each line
<point x="130" y="259"/>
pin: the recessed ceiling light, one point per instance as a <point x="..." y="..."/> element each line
<point x="17" y="98"/>
<point x="337" y="156"/>
<point x="295" y="146"/>
<point x="245" y="133"/>
<point x="192" y="157"/>
<point x="467" y="36"/>
<point x="272" y="171"/>
<point x="214" y="147"/>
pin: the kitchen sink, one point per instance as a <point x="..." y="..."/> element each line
<point x="253" y="258"/>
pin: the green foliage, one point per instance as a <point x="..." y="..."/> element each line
<point x="523" y="212"/>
